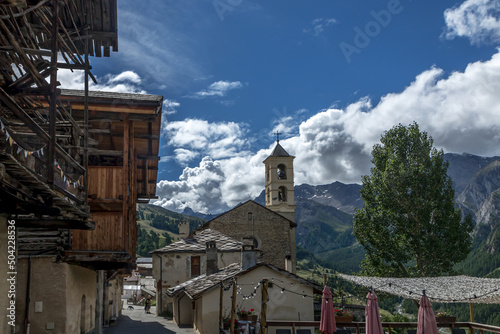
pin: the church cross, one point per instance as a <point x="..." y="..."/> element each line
<point x="277" y="134"/>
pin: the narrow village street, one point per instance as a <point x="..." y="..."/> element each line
<point x="137" y="321"/>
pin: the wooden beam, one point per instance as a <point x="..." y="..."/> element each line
<point x="147" y="167"/>
<point x="148" y="181"/>
<point x="56" y="223"/>
<point x="72" y="66"/>
<point x="38" y="52"/>
<point x="19" y="112"/>
<point x="26" y="61"/>
<point x="113" y="153"/>
<point x="144" y="196"/>
<point x="38" y="91"/>
<point x="116" y="108"/>
<point x="126" y="177"/>
<point x="119" y="134"/>
<point x="53" y="95"/>
<point x="148" y="157"/>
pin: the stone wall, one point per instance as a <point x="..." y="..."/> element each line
<point x="112" y="299"/>
<point x="56" y="296"/>
<point x="271" y="231"/>
<point x="4" y="287"/>
<point x="80" y="298"/>
<point x="176" y="269"/>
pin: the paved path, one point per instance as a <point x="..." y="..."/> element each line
<point x="136" y="321"/>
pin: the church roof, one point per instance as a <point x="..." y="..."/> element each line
<point x="198" y="285"/>
<point x="279" y="151"/>
<point x="196" y="242"/>
<point x="247" y="203"/>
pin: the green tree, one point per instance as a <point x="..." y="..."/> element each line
<point x="409" y="226"/>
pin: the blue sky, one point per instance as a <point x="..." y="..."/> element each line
<point x="330" y="75"/>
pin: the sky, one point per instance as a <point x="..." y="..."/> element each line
<point x="330" y="75"/>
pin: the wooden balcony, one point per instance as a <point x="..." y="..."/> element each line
<point x="42" y="167"/>
<point x="124" y="131"/>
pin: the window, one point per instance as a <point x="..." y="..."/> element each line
<point x="282" y="194"/>
<point x="195" y="266"/>
<point x="281" y="172"/>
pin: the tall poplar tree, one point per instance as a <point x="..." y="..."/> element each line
<point x="409" y="225"/>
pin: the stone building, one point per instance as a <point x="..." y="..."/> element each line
<point x="279" y="182"/>
<point x="188" y="258"/>
<point x="272" y="228"/>
<point x="200" y="301"/>
<point x="270" y="232"/>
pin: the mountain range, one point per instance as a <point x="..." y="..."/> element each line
<point x="324" y="216"/>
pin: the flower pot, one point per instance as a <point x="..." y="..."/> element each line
<point x="446" y="320"/>
<point x="252" y="318"/>
<point x="343" y="319"/>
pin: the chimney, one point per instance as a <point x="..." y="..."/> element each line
<point x="288" y="262"/>
<point x="248" y="254"/>
<point x="212" y="260"/>
<point x="183" y="229"/>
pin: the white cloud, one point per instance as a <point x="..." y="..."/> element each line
<point x="319" y="25"/>
<point x="170" y="106"/>
<point x="124" y="77"/>
<point x="477" y="20"/>
<point x="287" y="124"/>
<point x="218" y="88"/>
<point x="460" y="111"/>
<point x="198" y="188"/>
<point x="218" y="140"/>
<point x="124" y="82"/>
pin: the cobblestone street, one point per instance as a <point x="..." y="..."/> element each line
<point x="137" y="321"/>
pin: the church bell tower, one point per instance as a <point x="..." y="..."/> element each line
<point x="279" y="182"/>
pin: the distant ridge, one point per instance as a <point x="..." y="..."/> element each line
<point x="324" y="216"/>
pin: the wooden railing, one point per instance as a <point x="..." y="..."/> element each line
<point x="388" y="326"/>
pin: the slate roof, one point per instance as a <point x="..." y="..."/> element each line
<point x="203" y="282"/>
<point x="144" y="260"/>
<point x="279" y="151"/>
<point x="196" y="242"/>
<point x="113" y="95"/>
<point x="198" y="285"/>
<point x="247" y="203"/>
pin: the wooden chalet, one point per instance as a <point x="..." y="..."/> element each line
<point x="124" y="133"/>
<point x="43" y="160"/>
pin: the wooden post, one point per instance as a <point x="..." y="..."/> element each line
<point x="53" y="95"/>
<point x="233" y="307"/>
<point x="221" y="295"/>
<point x="86" y="119"/>
<point x="125" y="182"/>
<point x="471" y="310"/>
<point x="263" y="309"/>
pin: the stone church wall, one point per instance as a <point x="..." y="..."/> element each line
<point x="271" y="231"/>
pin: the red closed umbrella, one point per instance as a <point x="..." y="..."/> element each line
<point x="327" y="324"/>
<point x="426" y="318"/>
<point x="372" y="314"/>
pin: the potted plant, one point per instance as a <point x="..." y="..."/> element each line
<point x="226" y="323"/>
<point x="444" y="317"/>
<point x="342" y="316"/>
<point x="246" y="315"/>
